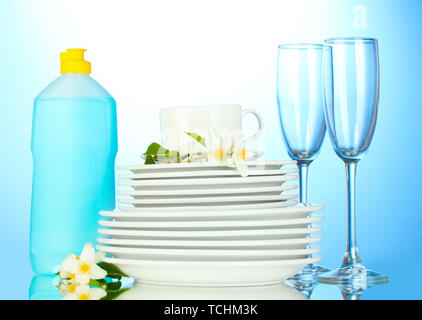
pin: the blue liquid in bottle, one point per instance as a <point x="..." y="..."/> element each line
<point x="74" y="145"/>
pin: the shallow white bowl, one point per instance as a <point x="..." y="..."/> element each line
<point x="214" y="207"/>
<point x="211" y="273"/>
<point x="297" y="243"/>
<point x="204" y="174"/>
<point x="214" y="224"/>
<point x="231" y="192"/>
<point x="272" y="213"/>
<point x="278" y="291"/>
<point x="200" y="166"/>
<point x="208" y="183"/>
<point x="120" y="235"/>
<point x="208" y="200"/>
<point x="206" y="254"/>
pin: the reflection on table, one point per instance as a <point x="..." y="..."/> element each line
<point x="141" y="291"/>
<point x="43" y="287"/>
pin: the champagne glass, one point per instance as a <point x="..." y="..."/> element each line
<point x="301" y="112"/>
<point x="351" y="90"/>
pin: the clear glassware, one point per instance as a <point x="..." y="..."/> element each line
<point x="351" y="91"/>
<point x="301" y="112"/>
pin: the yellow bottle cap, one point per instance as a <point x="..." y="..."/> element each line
<point x="72" y="61"/>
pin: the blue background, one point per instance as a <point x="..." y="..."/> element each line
<point x="152" y="55"/>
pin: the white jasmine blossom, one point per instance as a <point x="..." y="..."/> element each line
<point x="227" y="148"/>
<point x="67" y="287"/>
<point x="82" y="278"/>
<point x="84" y="267"/>
<point x="241" y="166"/>
<point x="64" y="274"/>
<point x="223" y="146"/>
<point x="220" y="146"/>
<point x="84" y="292"/>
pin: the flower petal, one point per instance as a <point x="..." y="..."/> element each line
<point x="88" y="254"/>
<point x="97" y="272"/>
<point x="70" y="296"/>
<point x="70" y="266"/>
<point x="242" y="167"/>
<point x="82" y="278"/>
<point x="97" y="293"/>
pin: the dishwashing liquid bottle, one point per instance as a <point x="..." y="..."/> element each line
<point x="74" y="145"/>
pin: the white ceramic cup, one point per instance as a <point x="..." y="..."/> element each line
<point x="202" y="120"/>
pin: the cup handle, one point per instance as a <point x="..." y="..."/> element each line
<point x="260" y="124"/>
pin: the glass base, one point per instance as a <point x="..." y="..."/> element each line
<point x="305" y="287"/>
<point x="305" y="281"/>
<point x="355" y="274"/>
<point x="308" y="273"/>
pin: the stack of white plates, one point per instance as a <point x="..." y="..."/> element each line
<point x="203" y="224"/>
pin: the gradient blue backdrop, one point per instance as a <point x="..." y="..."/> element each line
<point x="199" y="52"/>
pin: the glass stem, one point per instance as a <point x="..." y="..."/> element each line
<point x="303" y="180"/>
<point x="303" y="198"/>
<point x="352" y="256"/>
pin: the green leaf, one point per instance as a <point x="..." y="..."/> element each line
<point x="113" y="294"/>
<point x="164" y="153"/>
<point x="101" y="283"/>
<point x="112" y="270"/>
<point x="149" y="160"/>
<point x="197" y="138"/>
<point x="174" y="155"/>
<point x="153" y="149"/>
<point x="94" y="283"/>
<point x="114" y="285"/>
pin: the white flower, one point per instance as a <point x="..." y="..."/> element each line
<point x="241" y="165"/>
<point x="227" y="148"/>
<point x="83" y="268"/>
<point x="67" y="286"/>
<point x="220" y="146"/>
<point x="84" y="292"/>
<point x="64" y="274"/>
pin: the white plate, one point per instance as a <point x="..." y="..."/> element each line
<point x="215" y="207"/>
<point x="204" y="174"/>
<point x="139" y="194"/>
<point x="287" y="212"/>
<point x="130" y="237"/>
<point x="254" y="224"/>
<point x="205" y="254"/>
<point x="208" y="200"/>
<point x="296" y="243"/>
<point x="199" y="166"/>
<point x="278" y="291"/>
<point x="208" y="183"/>
<point x="211" y="273"/>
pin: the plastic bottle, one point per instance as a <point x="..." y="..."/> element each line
<point x="74" y="145"/>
